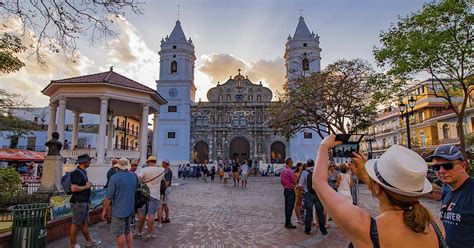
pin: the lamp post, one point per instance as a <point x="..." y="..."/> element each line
<point x="369" y="138"/>
<point x="406" y="113"/>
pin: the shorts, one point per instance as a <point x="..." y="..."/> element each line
<point x="165" y="198"/>
<point x="120" y="226"/>
<point x="235" y="175"/>
<point x="80" y="213"/>
<point x="226" y="175"/>
<point x="245" y="177"/>
<point x="153" y="205"/>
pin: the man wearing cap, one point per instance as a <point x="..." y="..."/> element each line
<point x="81" y="194"/>
<point x="457" y="196"/>
<point x="120" y="202"/>
<point x="152" y="176"/>
<point x="164" y="211"/>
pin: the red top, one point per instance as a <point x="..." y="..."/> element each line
<point x="287" y="178"/>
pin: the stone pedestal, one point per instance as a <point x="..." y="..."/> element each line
<point x="52" y="173"/>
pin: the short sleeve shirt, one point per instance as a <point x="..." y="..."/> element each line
<point x="235" y="168"/>
<point x="148" y="173"/>
<point x="457" y="214"/>
<point x="302" y="182"/>
<point x="245" y="169"/>
<point x="77" y="178"/>
<point x="121" y="192"/>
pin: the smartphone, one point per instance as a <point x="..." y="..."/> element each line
<point x="345" y="150"/>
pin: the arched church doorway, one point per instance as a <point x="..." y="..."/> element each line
<point x="239" y="149"/>
<point x="201" y="153"/>
<point x="277" y="152"/>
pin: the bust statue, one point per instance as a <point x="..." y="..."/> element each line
<point x="54" y="145"/>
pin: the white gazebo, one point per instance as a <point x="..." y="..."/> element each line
<point x="107" y="94"/>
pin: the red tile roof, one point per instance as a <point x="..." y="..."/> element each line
<point x="109" y="77"/>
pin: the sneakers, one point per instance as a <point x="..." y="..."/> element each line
<point x="290" y="226"/>
<point x="159" y="225"/>
<point x="138" y="235"/>
<point x="93" y="243"/>
<point x="150" y="237"/>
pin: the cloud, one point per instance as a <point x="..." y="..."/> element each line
<point x="131" y="56"/>
<point x="220" y="66"/>
<point x="33" y="77"/>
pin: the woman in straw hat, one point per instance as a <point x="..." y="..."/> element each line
<point x="397" y="179"/>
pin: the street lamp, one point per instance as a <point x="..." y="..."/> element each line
<point x="406" y="113"/>
<point x="369" y="138"/>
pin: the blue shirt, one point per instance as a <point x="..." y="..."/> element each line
<point x="457" y="214"/>
<point x="121" y="192"/>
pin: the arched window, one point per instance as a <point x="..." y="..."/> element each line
<point x="229" y="98"/>
<point x="259" y="98"/>
<point x="250" y="98"/>
<point x="446" y="131"/>
<point x="220" y="98"/>
<point x="422" y="139"/>
<point x="174" y="66"/>
<point x="305" y="64"/>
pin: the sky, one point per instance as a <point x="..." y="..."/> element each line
<point x="227" y="35"/>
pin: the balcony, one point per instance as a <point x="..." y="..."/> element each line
<point x="449" y="141"/>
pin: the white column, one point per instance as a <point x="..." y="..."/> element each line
<point x="52" y="119"/>
<point x="102" y="127"/>
<point x="110" y="131"/>
<point x="61" y="119"/>
<point x="144" y="134"/>
<point x="75" y="129"/>
<point x="155" y="134"/>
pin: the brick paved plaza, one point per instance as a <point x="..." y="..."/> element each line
<point x="211" y="215"/>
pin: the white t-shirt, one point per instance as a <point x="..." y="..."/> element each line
<point x="245" y="169"/>
<point x="148" y="173"/>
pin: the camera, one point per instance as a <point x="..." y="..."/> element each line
<point x="350" y="144"/>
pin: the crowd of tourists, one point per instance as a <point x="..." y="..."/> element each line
<point x="397" y="180"/>
<point x="119" y="208"/>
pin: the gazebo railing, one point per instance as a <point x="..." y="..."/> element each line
<point x="123" y="154"/>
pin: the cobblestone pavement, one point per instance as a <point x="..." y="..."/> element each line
<point x="211" y="215"/>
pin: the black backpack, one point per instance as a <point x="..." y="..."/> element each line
<point x="309" y="182"/>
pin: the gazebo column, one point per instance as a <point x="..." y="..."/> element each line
<point x="110" y="132"/>
<point x="102" y="129"/>
<point x="155" y="134"/>
<point x="144" y="134"/>
<point x="75" y="129"/>
<point x="52" y="119"/>
<point x="61" y="119"/>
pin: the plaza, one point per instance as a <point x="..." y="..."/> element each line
<point x="211" y="215"/>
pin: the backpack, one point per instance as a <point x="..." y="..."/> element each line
<point x="66" y="181"/>
<point x="142" y="194"/>
<point x="309" y="182"/>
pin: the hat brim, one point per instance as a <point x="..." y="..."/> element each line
<point x="83" y="160"/>
<point x="369" y="167"/>
<point x="447" y="157"/>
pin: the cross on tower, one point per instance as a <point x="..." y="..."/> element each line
<point x="178" y="12"/>
<point x="301" y="12"/>
<point x="239" y="70"/>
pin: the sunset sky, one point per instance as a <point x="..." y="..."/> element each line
<point x="228" y="35"/>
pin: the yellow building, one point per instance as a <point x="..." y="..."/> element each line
<point x="127" y="131"/>
<point x="432" y="122"/>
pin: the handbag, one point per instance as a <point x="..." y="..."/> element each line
<point x="142" y="194"/>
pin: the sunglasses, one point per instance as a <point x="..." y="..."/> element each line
<point x="446" y="166"/>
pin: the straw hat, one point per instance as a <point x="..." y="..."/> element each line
<point x="401" y="171"/>
<point x="151" y="158"/>
<point x="122" y="164"/>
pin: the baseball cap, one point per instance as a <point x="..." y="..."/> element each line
<point x="166" y="161"/>
<point x="448" y="152"/>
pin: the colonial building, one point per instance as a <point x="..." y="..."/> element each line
<point x="233" y="123"/>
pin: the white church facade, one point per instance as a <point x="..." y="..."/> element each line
<point x="233" y="124"/>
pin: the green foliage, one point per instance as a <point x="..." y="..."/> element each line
<point x="11" y="184"/>
<point x="469" y="139"/>
<point x="437" y="40"/>
<point x="347" y="91"/>
<point x="10" y="46"/>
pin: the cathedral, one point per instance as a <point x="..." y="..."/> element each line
<point x="233" y="123"/>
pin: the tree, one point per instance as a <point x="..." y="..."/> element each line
<point x="10" y="46"/>
<point x="15" y="126"/>
<point x="347" y="91"/>
<point x="59" y="24"/>
<point x="436" y="40"/>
